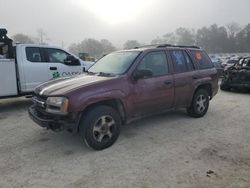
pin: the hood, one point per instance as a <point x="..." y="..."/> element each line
<point x="64" y="85"/>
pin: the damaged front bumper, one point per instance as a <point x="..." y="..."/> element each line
<point x="236" y="79"/>
<point x="50" y="121"/>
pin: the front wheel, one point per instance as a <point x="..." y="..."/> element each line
<point x="100" y="127"/>
<point x="199" y="104"/>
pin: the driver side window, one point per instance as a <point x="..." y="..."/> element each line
<point x="56" y="55"/>
<point x="155" y="62"/>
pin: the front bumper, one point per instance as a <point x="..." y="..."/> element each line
<point x="51" y="121"/>
<point x="239" y="85"/>
<point x="236" y="84"/>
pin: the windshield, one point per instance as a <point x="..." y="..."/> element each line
<point x="116" y="63"/>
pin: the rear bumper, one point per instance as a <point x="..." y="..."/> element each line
<point x="214" y="93"/>
<point x="215" y="89"/>
<point x="53" y="122"/>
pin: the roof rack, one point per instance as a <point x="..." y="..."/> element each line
<point x="168" y="45"/>
<point x="145" y="46"/>
<point x="178" y="46"/>
<point x="165" y="45"/>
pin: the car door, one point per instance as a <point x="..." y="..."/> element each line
<point x="34" y="68"/>
<point x="57" y="66"/>
<point x="184" y="77"/>
<point x="153" y="93"/>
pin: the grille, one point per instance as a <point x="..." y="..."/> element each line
<point x="39" y="101"/>
<point x="41" y="97"/>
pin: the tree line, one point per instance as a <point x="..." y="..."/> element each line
<point x="230" y="38"/>
<point x="214" y="39"/>
<point x="40" y="38"/>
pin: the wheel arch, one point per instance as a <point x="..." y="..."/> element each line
<point x="114" y="103"/>
<point x="207" y="87"/>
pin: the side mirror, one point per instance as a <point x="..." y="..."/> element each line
<point x="144" y="73"/>
<point x="71" y="60"/>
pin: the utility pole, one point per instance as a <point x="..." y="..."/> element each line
<point x="41" y="35"/>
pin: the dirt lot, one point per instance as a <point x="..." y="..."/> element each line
<point x="169" y="150"/>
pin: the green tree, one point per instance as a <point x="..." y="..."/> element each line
<point x="233" y="28"/>
<point x="93" y="47"/>
<point x="107" y="46"/>
<point x="170" y="38"/>
<point x="214" y="39"/>
<point x="131" y="44"/>
<point x="185" y="36"/>
<point x="243" y="39"/>
<point x="157" y="40"/>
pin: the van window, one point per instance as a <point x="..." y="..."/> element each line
<point x="179" y="61"/>
<point x="156" y="62"/>
<point x="201" y="59"/>
<point x="33" y="54"/>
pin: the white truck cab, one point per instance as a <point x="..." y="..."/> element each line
<point x="34" y="64"/>
<point x="40" y="63"/>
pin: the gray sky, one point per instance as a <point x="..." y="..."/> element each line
<point x="71" y="21"/>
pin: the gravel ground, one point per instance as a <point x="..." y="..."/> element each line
<point x="168" y="150"/>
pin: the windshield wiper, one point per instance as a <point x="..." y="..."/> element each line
<point x="91" y="73"/>
<point x="105" y="74"/>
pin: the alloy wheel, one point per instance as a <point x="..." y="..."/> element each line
<point x="103" y="128"/>
<point x="201" y="103"/>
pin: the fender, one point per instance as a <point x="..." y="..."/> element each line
<point x="203" y="81"/>
<point x="99" y="97"/>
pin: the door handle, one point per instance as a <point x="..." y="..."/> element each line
<point x="53" y="68"/>
<point x="167" y="82"/>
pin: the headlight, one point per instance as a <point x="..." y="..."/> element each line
<point x="57" y="105"/>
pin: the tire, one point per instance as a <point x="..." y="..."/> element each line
<point x="100" y="127"/>
<point x="200" y="104"/>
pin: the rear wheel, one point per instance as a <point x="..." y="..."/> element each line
<point x="199" y="104"/>
<point x="100" y="127"/>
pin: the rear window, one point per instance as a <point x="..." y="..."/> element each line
<point x="201" y="59"/>
<point x="33" y="54"/>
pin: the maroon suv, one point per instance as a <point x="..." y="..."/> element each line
<point x="124" y="86"/>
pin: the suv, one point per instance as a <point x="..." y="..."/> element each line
<point x="124" y="86"/>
